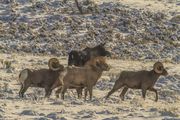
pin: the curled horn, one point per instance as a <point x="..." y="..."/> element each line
<point x="158" y="67"/>
<point x="54" y="64"/>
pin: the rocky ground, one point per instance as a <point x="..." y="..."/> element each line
<point x="137" y="32"/>
<point x="141" y="29"/>
<point x="35" y="107"/>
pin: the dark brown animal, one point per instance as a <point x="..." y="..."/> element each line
<point x="87" y="76"/>
<point x="144" y="80"/>
<point x="79" y="58"/>
<point x="43" y="78"/>
<point x="58" y="84"/>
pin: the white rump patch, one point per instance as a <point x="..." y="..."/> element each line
<point x="23" y="76"/>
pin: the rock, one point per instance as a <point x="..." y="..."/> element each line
<point x="153" y="110"/>
<point x="29" y="112"/>
<point x="168" y="113"/>
<point x="1" y="110"/>
<point x="57" y="103"/>
<point x="41" y="118"/>
<point x="111" y="118"/>
<point x="106" y="112"/>
<point x="86" y="114"/>
<point x="9" y="71"/>
<point x="176" y="58"/>
<point x="41" y="114"/>
<point x="53" y="116"/>
<point x="77" y="102"/>
<point x="176" y="19"/>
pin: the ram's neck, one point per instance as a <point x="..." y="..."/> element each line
<point x="97" y="75"/>
<point x="154" y="76"/>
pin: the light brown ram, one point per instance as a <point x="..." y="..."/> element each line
<point x="43" y="78"/>
<point x="144" y="80"/>
<point x="87" y="76"/>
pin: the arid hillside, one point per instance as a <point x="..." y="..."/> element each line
<point x="132" y="29"/>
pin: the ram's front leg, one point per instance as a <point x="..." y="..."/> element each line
<point x="154" y="90"/>
<point x="23" y="89"/>
<point x="90" y="89"/>
<point x="63" y="90"/>
<point x="85" y="94"/>
<point x="79" y="92"/>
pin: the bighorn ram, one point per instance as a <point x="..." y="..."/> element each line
<point x="79" y="58"/>
<point x="143" y="80"/>
<point x="87" y="76"/>
<point x="58" y="84"/>
<point x="43" y="78"/>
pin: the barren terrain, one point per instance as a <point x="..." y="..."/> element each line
<point x="34" y="106"/>
<point x="136" y="32"/>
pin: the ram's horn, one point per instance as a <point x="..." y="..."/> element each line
<point x="54" y="64"/>
<point x="158" y="67"/>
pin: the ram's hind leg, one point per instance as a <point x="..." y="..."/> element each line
<point x="85" y="93"/>
<point x="48" y="92"/>
<point x="20" y="91"/>
<point x="79" y="92"/>
<point x="115" y="88"/>
<point x="123" y="93"/>
<point x="90" y="89"/>
<point x="58" y="91"/>
<point x="23" y="89"/>
<point x="144" y="93"/>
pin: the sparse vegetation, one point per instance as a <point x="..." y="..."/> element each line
<point x="32" y="31"/>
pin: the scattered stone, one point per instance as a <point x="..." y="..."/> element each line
<point x="9" y="71"/>
<point x="153" y="109"/>
<point x="1" y="110"/>
<point x="29" y="112"/>
<point x="57" y="103"/>
<point x="168" y="113"/>
<point x="55" y="116"/>
<point x="86" y="114"/>
<point x="106" y="112"/>
<point x="77" y="102"/>
<point x="176" y="19"/>
<point x="42" y="118"/>
<point x="112" y="118"/>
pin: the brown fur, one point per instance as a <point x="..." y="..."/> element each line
<point x="43" y="78"/>
<point x="143" y="80"/>
<point x="87" y="76"/>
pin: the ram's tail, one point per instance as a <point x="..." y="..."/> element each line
<point x="23" y="75"/>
